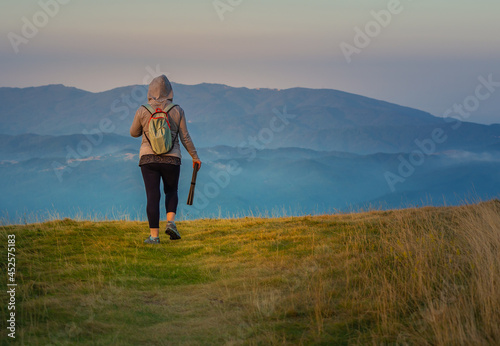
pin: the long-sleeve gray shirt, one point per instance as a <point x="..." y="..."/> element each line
<point x="160" y="94"/>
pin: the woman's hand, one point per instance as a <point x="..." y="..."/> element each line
<point x="197" y="162"/>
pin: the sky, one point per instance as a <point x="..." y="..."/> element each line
<point x="425" y="54"/>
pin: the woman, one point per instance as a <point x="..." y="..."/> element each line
<point x="166" y="166"/>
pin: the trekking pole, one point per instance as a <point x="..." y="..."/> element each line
<point x="196" y="167"/>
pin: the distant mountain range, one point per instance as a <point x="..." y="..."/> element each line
<point x="318" y="119"/>
<point x="68" y="151"/>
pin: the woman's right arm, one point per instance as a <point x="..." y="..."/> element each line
<point x="136" y="128"/>
<point x="186" y="138"/>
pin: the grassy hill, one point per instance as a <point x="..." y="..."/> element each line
<point x="416" y="276"/>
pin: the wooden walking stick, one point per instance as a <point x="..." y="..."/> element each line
<point x="196" y="167"/>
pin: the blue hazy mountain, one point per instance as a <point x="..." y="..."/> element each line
<point x="318" y="119"/>
<point x="293" y="179"/>
<point x="67" y="151"/>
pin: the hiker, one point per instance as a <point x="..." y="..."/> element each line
<point x="164" y="166"/>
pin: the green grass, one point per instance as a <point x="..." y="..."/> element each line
<point x="416" y="276"/>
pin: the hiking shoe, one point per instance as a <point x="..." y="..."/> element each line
<point x="150" y="240"/>
<point x="172" y="231"/>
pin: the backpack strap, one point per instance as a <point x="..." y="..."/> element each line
<point x="152" y="110"/>
<point x="149" y="108"/>
<point x="168" y="108"/>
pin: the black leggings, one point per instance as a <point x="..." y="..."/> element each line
<point x="151" y="173"/>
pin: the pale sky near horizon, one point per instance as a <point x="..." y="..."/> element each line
<point x="429" y="56"/>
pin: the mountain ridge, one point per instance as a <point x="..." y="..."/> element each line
<point x="218" y="114"/>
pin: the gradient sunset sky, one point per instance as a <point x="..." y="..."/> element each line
<point x="429" y="56"/>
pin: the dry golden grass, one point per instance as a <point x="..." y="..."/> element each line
<point x="445" y="275"/>
<point x="415" y="276"/>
